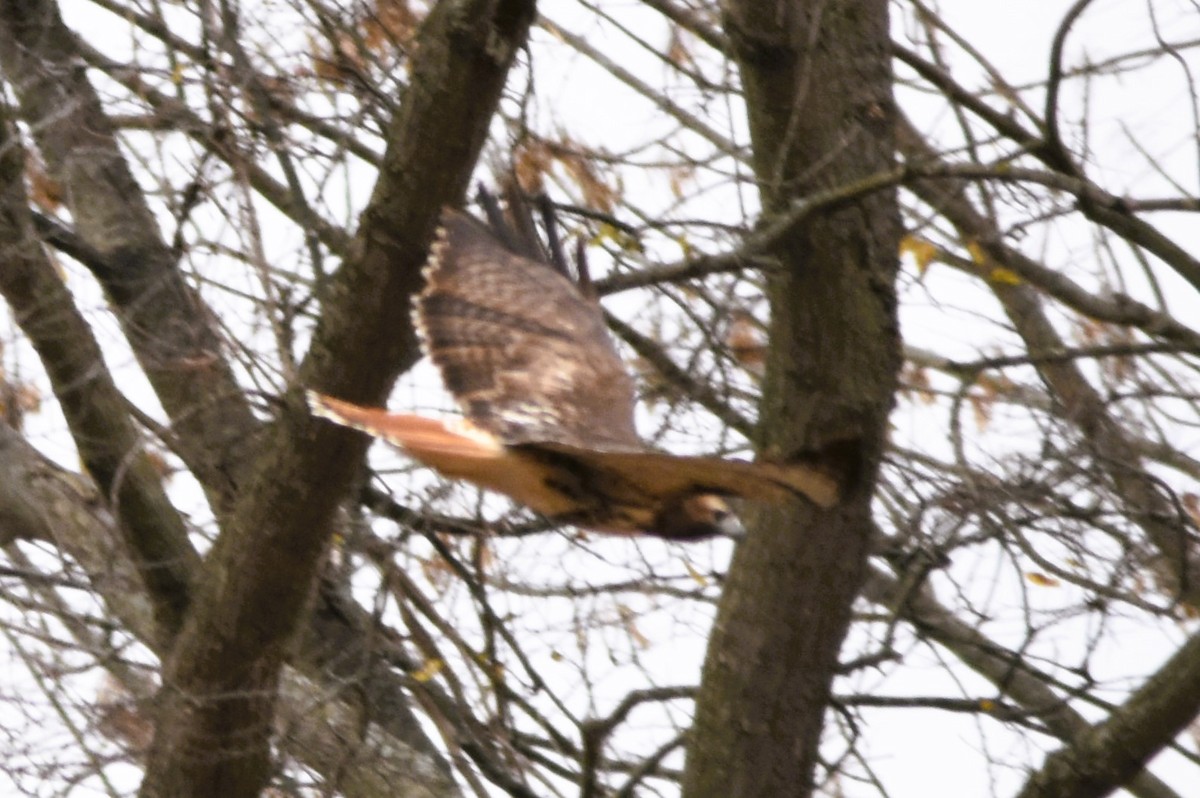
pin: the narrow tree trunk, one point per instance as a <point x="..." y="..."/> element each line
<point x="817" y="82"/>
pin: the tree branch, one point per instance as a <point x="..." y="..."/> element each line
<point x="1167" y="529"/>
<point x="995" y="663"/>
<point x="108" y="442"/>
<point x="320" y="717"/>
<point x="1107" y="755"/>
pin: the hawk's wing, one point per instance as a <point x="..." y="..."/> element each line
<point x="655" y="474"/>
<point x="456" y="449"/>
<point x="611" y="491"/>
<point x="523" y="351"/>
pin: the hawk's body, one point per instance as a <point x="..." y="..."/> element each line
<point x="549" y="406"/>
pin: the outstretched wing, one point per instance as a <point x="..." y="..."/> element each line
<point x="457" y="450"/>
<point x="660" y="475"/>
<point x="523" y="351"/>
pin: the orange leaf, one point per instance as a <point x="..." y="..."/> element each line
<point x="628" y="617"/>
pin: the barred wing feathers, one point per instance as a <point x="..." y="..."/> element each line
<point x="525" y="353"/>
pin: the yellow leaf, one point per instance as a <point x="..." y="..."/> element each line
<point x="924" y="252"/>
<point x="177" y="74"/>
<point x="685" y="246"/>
<point x="698" y="577"/>
<point x="486" y="662"/>
<point x="429" y="670"/>
<point x="977" y="253"/>
<point x="987" y="704"/>
<point x="1004" y="276"/>
<point x="1042" y="580"/>
<point x="618" y="236"/>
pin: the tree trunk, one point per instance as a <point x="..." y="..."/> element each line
<point x="222" y="677"/>
<point x="817" y="82"/>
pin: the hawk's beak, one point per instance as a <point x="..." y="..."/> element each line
<point x="730" y="526"/>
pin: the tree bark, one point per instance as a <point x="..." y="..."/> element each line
<point x="366" y="740"/>
<point x="96" y="412"/>
<point x="171" y="332"/>
<point x="222" y="677"/>
<point x="817" y="82"/>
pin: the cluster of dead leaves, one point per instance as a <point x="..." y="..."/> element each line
<point x="535" y="159"/>
<point x="387" y="28"/>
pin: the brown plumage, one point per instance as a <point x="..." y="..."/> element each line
<point x="549" y="406"/>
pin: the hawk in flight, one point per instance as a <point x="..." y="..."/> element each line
<point x="549" y="407"/>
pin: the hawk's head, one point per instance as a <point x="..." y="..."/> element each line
<point x="697" y="516"/>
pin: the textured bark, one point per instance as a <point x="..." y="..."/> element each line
<point x="221" y="679"/>
<point x="171" y="332"/>
<point x="817" y="83"/>
<point x="365" y="740"/>
<point x="96" y="412"/>
<point x="41" y="502"/>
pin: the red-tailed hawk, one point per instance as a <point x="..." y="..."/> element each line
<point x="549" y="406"/>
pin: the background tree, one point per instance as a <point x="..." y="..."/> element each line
<point x="208" y="206"/>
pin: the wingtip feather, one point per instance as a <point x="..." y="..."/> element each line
<point x="318" y="404"/>
<point x="342" y="413"/>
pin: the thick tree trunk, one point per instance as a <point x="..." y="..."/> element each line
<point x="221" y="680"/>
<point x="817" y="82"/>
